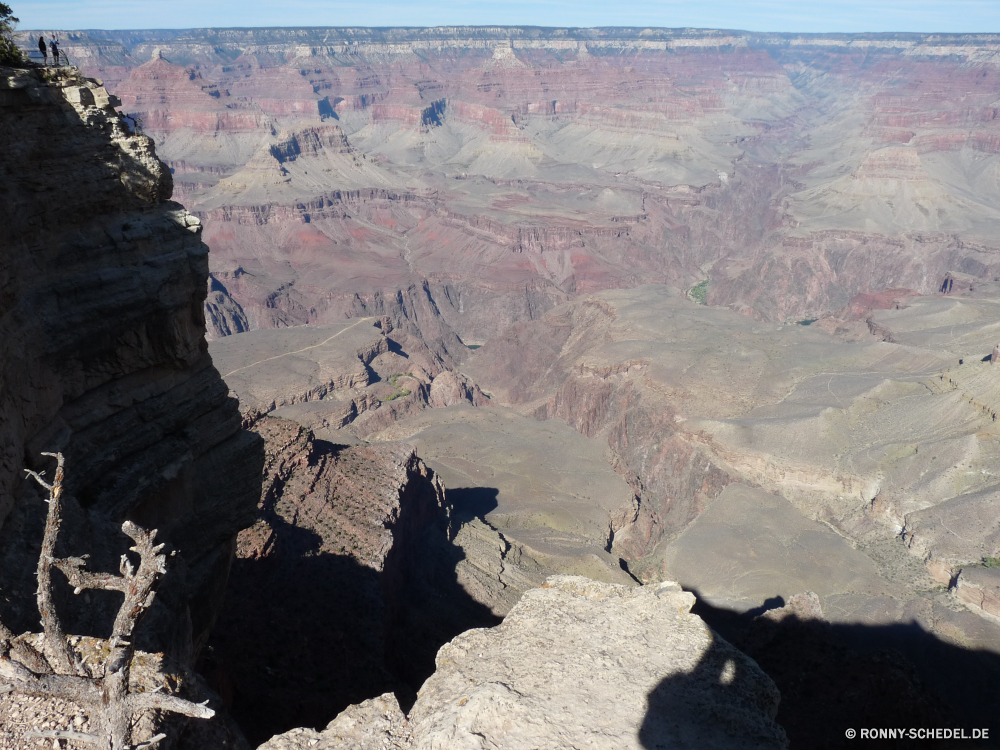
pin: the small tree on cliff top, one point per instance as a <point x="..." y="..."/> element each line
<point x="57" y="671"/>
<point x="10" y="54"/>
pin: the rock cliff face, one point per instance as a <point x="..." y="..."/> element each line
<point x="349" y="374"/>
<point x="576" y="663"/>
<point x="343" y="589"/>
<point x="102" y="287"/>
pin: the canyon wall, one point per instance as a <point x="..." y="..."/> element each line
<point x="102" y="287"/>
<point x="521" y="188"/>
<point x="772" y="460"/>
<point x="461" y="180"/>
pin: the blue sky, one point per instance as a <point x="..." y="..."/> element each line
<point x="753" y="15"/>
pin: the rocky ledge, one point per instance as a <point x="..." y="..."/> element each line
<point x="576" y="663"/>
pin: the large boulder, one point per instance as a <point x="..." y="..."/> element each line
<point x="576" y="663"/>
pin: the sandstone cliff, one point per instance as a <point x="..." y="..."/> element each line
<point x="102" y="286"/>
<point x="576" y="663"/>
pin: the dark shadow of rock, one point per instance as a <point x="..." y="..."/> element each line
<point x="433" y="609"/>
<point x="395" y="347"/>
<point x="467" y="503"/>
<point x="300" y="638"/>
<point x="835" y="677"/>
<point x="306" y="631"/>
<point x="721" y="703"/>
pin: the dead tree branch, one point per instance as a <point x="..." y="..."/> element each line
<point x="164" y="702"/>
<point x="58" y="672"/>
<point x="55" y="644"/>
<point x="80" y="579"/>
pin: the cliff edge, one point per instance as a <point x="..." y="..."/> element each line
<point x="102" y="333"/>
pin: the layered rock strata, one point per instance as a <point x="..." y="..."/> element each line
<point x="353" y="374"/>
<point x="343" y="589"/>
<point x="576" y="663"/>
<point x="102" y="287"/>
<point x="773" y="460"/>
<point x="470" y="178"/>
<point x="525" y="499"/>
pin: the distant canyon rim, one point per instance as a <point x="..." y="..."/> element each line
<point x="470" y="178"/>
<point x="706" y="306"/>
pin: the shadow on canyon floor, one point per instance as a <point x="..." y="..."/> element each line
<point x="305" y="633"/>
<point x="467" y="503"/>
<point x="432" y="606"/>
<point x="836" y="677"/>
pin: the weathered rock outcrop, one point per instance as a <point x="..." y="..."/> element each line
<point x="576" y="663"/>
<point x="349" y="374"/>
<point x="343" y="589"/>
<point x="102" y="286"/>
<point x="979" y="588"/>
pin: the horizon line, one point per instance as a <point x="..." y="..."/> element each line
<point x="639" y="29"/>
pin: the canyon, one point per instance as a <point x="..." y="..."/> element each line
<point x="508" y="307"/>
<point x="461" y="180"/>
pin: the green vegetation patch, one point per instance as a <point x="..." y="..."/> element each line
<point x="10" y="53"/>
<point x="699" y="292"/>
<point x="400" y="392"/>
<point x="991" y="562"/>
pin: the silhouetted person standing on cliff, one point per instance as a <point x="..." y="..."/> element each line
<point x="43" y="50"/>
<point x="55" y="51"/>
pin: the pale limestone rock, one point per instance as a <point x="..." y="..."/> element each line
<point x="580" y="664"/>
<point x="450" y="388"/>
<point x="979" y="589"/>
<point x="376" y="723"/>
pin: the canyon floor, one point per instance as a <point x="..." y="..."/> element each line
<point x="635" y="435"/>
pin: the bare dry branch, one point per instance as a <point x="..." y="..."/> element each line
<point x="80" y="579"/>
<point x="138" y="588"/>
<point x="83" y="690"/>
<point x="150" y="742"/>
<point x="113" y="708"/>
<point x="55" y="645"/>
<point x="38" y="478"/>
<point x="165" y="702"/>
